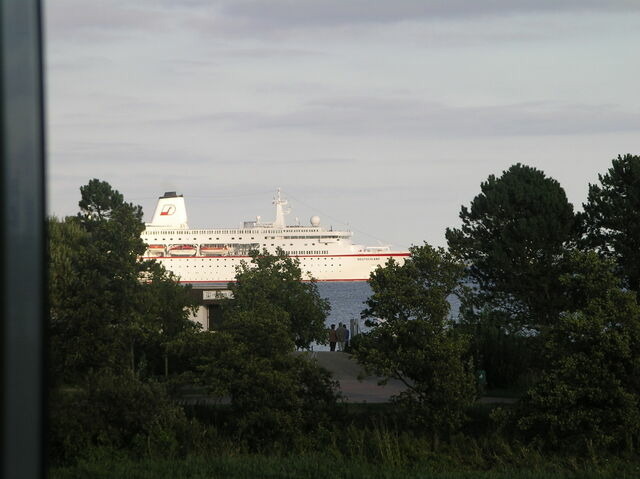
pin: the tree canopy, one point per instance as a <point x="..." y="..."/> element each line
<point x="412" y="338"/>
<point x="275" y="281"/>
<point x="611" y="218"/>
<point x="512" y="238"/>
<point x="276" y="395"/>
<point x="588" y="394"/>
<point x="104" y="301"/>
<point x="112" y="318"/>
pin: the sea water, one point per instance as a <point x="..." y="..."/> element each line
<point x="347" y="300"/>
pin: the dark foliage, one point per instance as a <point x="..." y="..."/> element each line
<point x="512" y="238"/>
<point x="588" y="396"/>
<point x="611" y="218"/>
<point x="278" y="398"/>
<point x="413" y="340"/>
<point x="108" y="309"/>
<point x="119" y="412"/>
<point x="112" y="321"/>
<point x="506" y="356"/>
<point x="276" y="281"/>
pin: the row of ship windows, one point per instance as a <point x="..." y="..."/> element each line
<point x="219" y="232"/>
<point x="266" y="237"/>
<point x="233" y="266"/>
<point x="224" y="260"/>
<point x="315" y="237"/>
<point x="272" y="244"/>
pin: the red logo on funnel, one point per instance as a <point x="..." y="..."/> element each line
<point x="168" y="210"/>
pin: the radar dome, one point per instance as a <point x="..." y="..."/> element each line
<point x="315" y="221"/>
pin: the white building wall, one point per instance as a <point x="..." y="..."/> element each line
<point x="201" y="316"/>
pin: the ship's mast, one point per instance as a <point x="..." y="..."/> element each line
<point x="280" y="210"/>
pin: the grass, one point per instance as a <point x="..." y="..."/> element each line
<point x="367" y="444"/>
<point x="316" y="466"/>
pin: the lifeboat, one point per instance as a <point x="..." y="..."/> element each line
<point x="156" y="249"/>
<point x="213" y="249"/>
<point x="377" y="249"/>
<point x="182" y="250"/>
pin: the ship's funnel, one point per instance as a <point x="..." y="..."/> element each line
<point x="170" y="211"/>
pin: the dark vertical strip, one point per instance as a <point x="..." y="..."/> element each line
<point x="22" y="239"/>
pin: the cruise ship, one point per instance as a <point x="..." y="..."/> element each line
<point x="207" y="256"/>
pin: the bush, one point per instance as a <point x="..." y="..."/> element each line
<point x="117" y="412"/>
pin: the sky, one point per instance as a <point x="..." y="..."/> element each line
<point x="382" y="117"/>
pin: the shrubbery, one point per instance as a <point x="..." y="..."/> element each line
<point x="117" y="412"/>
<point x="277" y="397"/>
<point x="413" y="340"/>
<point x="589" y="394"/>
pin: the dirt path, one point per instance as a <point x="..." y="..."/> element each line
<point x="357" y="387"/>
<point x="347" y="372"/>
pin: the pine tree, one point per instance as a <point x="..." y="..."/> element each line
<point x="611" y="218"/>
<point x="512" y="238"/>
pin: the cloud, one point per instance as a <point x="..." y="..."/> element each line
<point x="261" y="52"/>
<point x="404" y="117"/>
<point x="254" y="18"/>
<point x="383" y="117"/>
<point x="69" y="18"/>
<point x="277" y="14"/>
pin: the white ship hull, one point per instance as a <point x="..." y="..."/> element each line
<point x="355" y="267"/>
<point x="214" y="254"/>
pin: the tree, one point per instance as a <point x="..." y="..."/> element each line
<point x="277" y="397"/>
<point x="164" y="308"/>
<point x="412" y="338"/>
<point x="114" y="225"/>
<point x="117" y="411"/>
<point x="512" y="238"/>
<point x="611" y="218"/>
<point x="110" y="312"/>
<point x="105" y="301"/>
<point x="276" y="281"/>
<point x="588" y="395"/>
<point x="507" y="357"/>
<point x="77" y="344"/>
